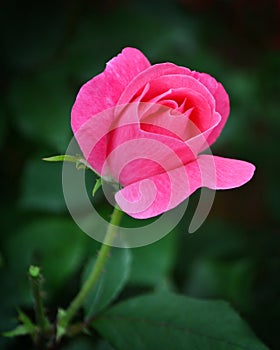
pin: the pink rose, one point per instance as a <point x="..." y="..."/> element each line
<point x="144" y="126"/>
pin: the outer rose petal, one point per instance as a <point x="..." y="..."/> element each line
<point x="104" y="90"/>
<point x="230" y="173"/>
<point x="156" y="195"/>
<point x="165" y="191"/>
<point x="223" y="108"/>
<point x="221" y="99"/>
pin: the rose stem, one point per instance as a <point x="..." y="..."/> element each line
<point x="92" y="279"/>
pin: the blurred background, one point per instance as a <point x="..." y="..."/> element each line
<point x="49" y="49"/>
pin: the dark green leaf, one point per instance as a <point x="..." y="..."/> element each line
<point x="168" y="321"/>
<point x="232" y="280"/>
<point x="112" y="280"/>
<point x="152" y="264"/>
<point x="42" y="188"/>
<point x="80" y="344"/>
<point x="104" y="345"/>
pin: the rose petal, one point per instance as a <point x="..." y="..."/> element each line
<point x="151" y="73"/>
<point x="134" y="154"/>
<point x="229" y="173"/>
<point x="178" y="184"/>
<point x="196" y="94"/>
<point x="104" y="90"/>
<point x="158" y="118"/>
<point x="162" y="192"/>
<point x="200" y="141"/>
<point x="221" y="101"/>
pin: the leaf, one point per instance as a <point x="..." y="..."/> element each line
<point x="103" y="345"/>
<point x="233" y="280"/>
<point x="28" y="327"/>
<point x="152" y="264"/>
<point x="41" y="187"/>
<point x="80" y="344"/>
<point x="18" y="331"/>
<point x="168" y="321"/>
<point x="111" y="281"/>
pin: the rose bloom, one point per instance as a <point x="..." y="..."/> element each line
<point x="145" y="127"/>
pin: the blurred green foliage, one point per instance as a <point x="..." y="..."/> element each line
<point x="48" y="51"/>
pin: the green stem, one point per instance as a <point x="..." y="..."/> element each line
<point x="36" y="279"/>
<point x="67" y="315"/>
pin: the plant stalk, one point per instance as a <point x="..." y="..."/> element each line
<point x="103" y="254"/>
<point x="41" y="318"/>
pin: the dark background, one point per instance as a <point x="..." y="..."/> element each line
<point x="48" y="51"/>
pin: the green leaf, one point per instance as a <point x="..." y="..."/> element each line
<point x="103" y="345"/>
<point x="152" y="264"/>
<point x="233" y="280"/>
<point x="111" y="281"/>
<point x="30" y="326"/>
<point x="27" y="327"/>
<point x="80" y="344"/>
<point x="168" y="321"/>
<point x="20" y="330"/>
<point x="41" y="187"/>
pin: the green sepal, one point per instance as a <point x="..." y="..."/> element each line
<point x="96" y="187"/>
<point x="80" y="162"/>
<point x="60" y="330"/>
<point x="62" y="158"/>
